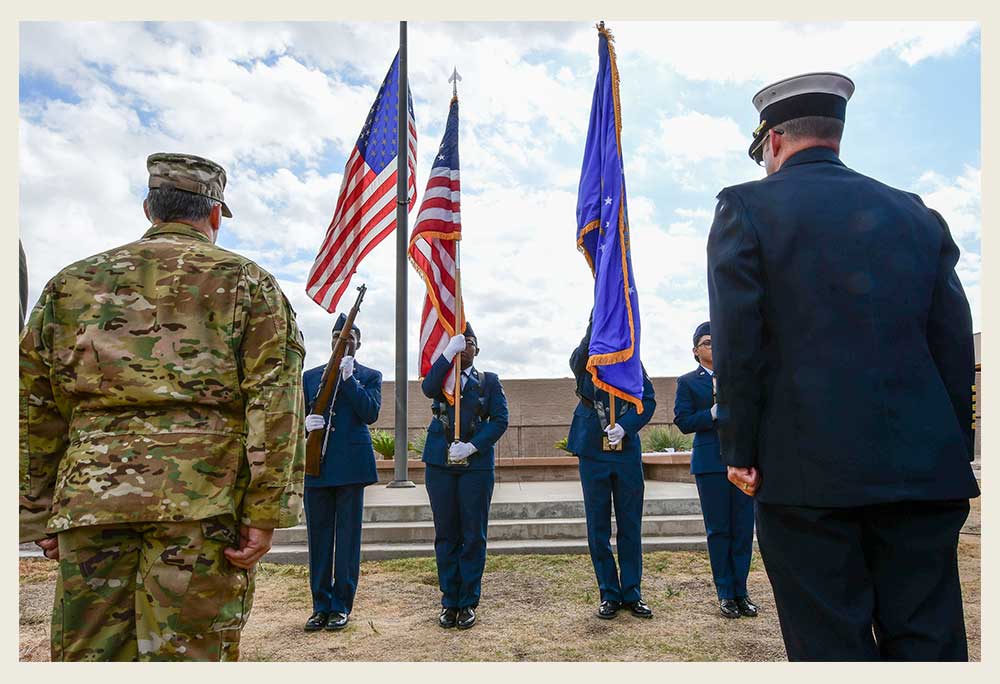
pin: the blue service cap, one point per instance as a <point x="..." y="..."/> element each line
<point x="339" y="325"/>
<point x="702" y="330"/>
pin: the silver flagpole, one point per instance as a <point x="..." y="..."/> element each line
<point x="401" y="477"/>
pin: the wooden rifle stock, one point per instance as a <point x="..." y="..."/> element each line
<point x="328" y="387"/>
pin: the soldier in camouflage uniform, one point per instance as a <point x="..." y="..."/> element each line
<point x="161" y="414"/>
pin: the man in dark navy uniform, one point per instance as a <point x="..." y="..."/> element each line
<point x="334" y="499"/>
<point x="611" y="477"/>
<point x="727" y="512"/>
<point x="458" y="474"/>
<point x="842" y="341"/>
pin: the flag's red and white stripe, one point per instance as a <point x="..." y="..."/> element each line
<point x="432" y="252"/>
<point x="365" y="215"/>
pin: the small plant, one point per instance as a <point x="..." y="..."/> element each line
<point x="664" y="437"/>
<point x="416" y="446"/>
<point x="384" y="443"/>
<point x="562" y="444"/>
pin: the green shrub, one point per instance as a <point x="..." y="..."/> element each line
<point x="663" y="437"/>
<point x="561" y="444"/>
<point x="384" y="443"/>
<point x="417" y="445"/>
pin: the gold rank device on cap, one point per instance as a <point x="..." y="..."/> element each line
<point x="816" y="94"/>
<point x="189" y="173"/>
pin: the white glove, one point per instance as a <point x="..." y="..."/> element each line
<point x="714" y="411"/>
<point x="315" y="422"/>
<point x="459" y="451"/>
<point x="346" y="367"/>
<point x="456" y="345"/>
<point x="615" y="433"/>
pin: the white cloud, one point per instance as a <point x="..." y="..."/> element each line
<point x="694" y="137"/>
<point x="934" y="39"/>
<point x="698" y="214"/>
<point x="956" y="199"/>
<point x="276" y="103"/>
<point x="700" y="152"/>
<point x="766" y="51"/>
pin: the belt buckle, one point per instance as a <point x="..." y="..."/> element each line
<point x="608" y="446"/>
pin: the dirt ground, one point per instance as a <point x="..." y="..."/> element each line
<point x="534" y="608"/>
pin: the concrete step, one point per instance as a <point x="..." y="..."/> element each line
<point x="29" y="551"/>
<point x="541" y="528"/>
<point x="525" y="510"/>
<point x="525" y="517"/>
<point x="298" y="554"/>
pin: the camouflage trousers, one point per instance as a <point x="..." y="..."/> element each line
<point x="150" y="591"/>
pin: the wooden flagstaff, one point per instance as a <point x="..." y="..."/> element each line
<point x="459" y="314"/>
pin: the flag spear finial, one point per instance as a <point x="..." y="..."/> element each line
<point x="454" y="79"/>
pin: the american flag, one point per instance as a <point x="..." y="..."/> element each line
<point x="433" y="244"/>
<point x="366" y="207"/>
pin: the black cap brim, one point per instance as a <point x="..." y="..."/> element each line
<point x="756" y="150"/>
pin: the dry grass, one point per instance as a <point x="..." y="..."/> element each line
<point x="534" y="608"/>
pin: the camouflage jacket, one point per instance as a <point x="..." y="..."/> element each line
<point x="160" y="381"/>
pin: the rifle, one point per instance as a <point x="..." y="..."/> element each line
<point x="328" y="388"/>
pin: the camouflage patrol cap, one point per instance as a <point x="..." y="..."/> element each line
<point x="188" y="173"/>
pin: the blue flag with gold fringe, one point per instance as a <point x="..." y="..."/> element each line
<point x="603" y="237"/>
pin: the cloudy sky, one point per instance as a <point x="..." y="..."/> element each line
<point x="281" y="105"/>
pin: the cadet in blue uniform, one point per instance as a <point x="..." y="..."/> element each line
<point x="611" y="478"/>
<point x="334" y="500"/>
<point x="842" y="342"/>
<point x="459" y="475"/>
<point x="727" y="512"/>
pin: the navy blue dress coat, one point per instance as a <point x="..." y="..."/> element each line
<point x="586" y="436"/>
<point x="483" y="402"/>
<point x="692" y="413"/>
<point x="842" y="339"/>
<point x="349" y="457"/>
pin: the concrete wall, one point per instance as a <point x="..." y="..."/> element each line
<point x="540" y="413"/>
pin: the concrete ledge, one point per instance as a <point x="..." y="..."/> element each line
<point x="673" y="467"/>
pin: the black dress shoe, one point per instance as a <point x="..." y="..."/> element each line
<point x="337" y="621"/>
<point x="729" y="608"/>
<point x="746" y="607"/>
<point x="640" y="609"/>
<point x="316" y="621"/>
<point x="608" y="609"/>
<point x="466" y="617"/>
<point x="448" y="617"/>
